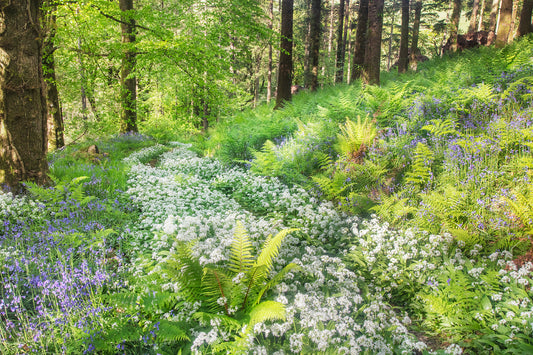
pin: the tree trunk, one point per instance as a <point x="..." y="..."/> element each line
<point x="314" y="38"/>
<point x="345" y="33"/>
<point x="454" y="24"/>
<point x="55" y="117"/>
<point x="128" y="81"/>
<point x="524" y="27"/>
<point x="504" y="26"/>
<point x="371" y="68"/>
<point x="270" y="26"/>
<point x="473" y="17"/>
<point x="512" y="29"/>
<point x="285" y="55"/>
<point x="23" y="126"/>
<point x="307" y="49"/>
<point x="481" y="14"/>
<point x="416" y="32"/>
<point x="360" y="40"/>
<point x="327" y="61"/>
<point x="404" y="38"/>
<point x="494" y="15"/>
<point x="339" y="63"/>
<point x="391" y="35"/>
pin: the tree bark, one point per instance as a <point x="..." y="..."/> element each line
<point x="269" y="75"/>
<point x="404" y="38"/>
<point x="339" y="62"/>
<point x="524" y="27"/>
<point x="23" y="125"/>
<point x="360" y="40"/>
<point x="285" y="55"/>
<point x="473" y="17"/>
<point x="481" y="14"/>
<point x="391" y="35"/>
<point x="371" y="68"/>
<point x="314" y="38"/>
<point x="504" y="26"/>
<point x="128" y="81"/>
<point x="494" y="15"/>
<point x="416" y="32"/>
<point x="55" y="117"/>
<point x="456" y="16"/>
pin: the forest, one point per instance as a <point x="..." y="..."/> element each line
<point x="266" y="177"/>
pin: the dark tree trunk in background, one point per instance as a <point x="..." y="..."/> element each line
<point x="494" y="15"/>
<point x="481" y="14"/>
<point x="524" y="27"/>
<point x="340" y="45"/>
<point x="128" y="81"/>
<point x="270" y="26"/>
<point x="504" y="26"/>
<point x="416" y="31"/>
<point x="285" y="55"/>
<point x="55" y="117"/>
<point x="454" y="25"/>
<point x="473" y="17"/>
<point x="404" y="38"/>
<point x="360" y="40"/>
<point x="314" y="38"/>
<point x="23" y="126"/>
<point x="372" y="66"/>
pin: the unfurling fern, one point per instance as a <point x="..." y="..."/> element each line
<point x="420" y="173"/>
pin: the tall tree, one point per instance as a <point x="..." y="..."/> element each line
<point x="404" y="38"/>
<point x="23" y="125"/>
<point x="128" y="81"/>
<point x="416" y="32"/>
<point x="55" y="116"/>
<point x="504" y="25"/>
<point x="481" y="14"/>
<point x="270" y="27"/>
<point x="525" y="27"/>
<point x="314" y="47"/>
<point x="340" y="44"/>
<point x="494" y="9"/>
<point x="372" y="67"/>
<point x="285" y="54"/>
<point x="454" y="24"/>
<point x="360" y="40"/>
<point x="473" y="16"/>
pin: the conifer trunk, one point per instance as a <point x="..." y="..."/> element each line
<point x="525" y="27"/>
<point x="371" y="68"/>
<point x="360" y="41"/>
<point x="285" y="55"/>
<point x="339" y="63"/>
<point x="404" y="38"/>
<point x="314" y="48"/>
<point x="269" y="75"/>
<point x="473" y="17"/>
<point x="494" y="15"/>
<point x="454" y="25"/>
<point x="416" y="32"/>
<point x="23" y="118"/>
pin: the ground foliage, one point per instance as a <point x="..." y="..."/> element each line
<point x="107" y="259"/>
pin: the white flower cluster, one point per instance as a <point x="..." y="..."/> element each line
<point x="20" y="207"/>
<point x="188" y="198"/>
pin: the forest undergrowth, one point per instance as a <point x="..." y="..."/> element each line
<point x="355" y="220"/>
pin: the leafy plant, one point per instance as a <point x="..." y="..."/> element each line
<point x="355" y="138"/>
<point x="233" y="294"/>
<point x="420" y="173"/>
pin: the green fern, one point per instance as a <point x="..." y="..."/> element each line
<point x="420" y="173"/>
<point x="441" y="128"/>
<point x="522" y="207"/>
<point x="355" y="138"/>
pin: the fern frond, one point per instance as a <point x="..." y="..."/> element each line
<point x="441" y="128"/>
<point x="241" y="259"/>
<point x="275" y="280"/>
<point x="216" y="287"/>
<point x="172" y="332"/>
<point x="271" y="249"/>
<point x="228" y="322"/>
<point x="187" y="271"/>
<point x="267" y="310"/>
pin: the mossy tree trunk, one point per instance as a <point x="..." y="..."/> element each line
<point x="504" y="25"/>
<point x="314" y="47"/>
<point x="454" y="25"/>
<point x="339" y="73"/>
<point x="128" y="81"/>
<point x="23" y="126"/>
